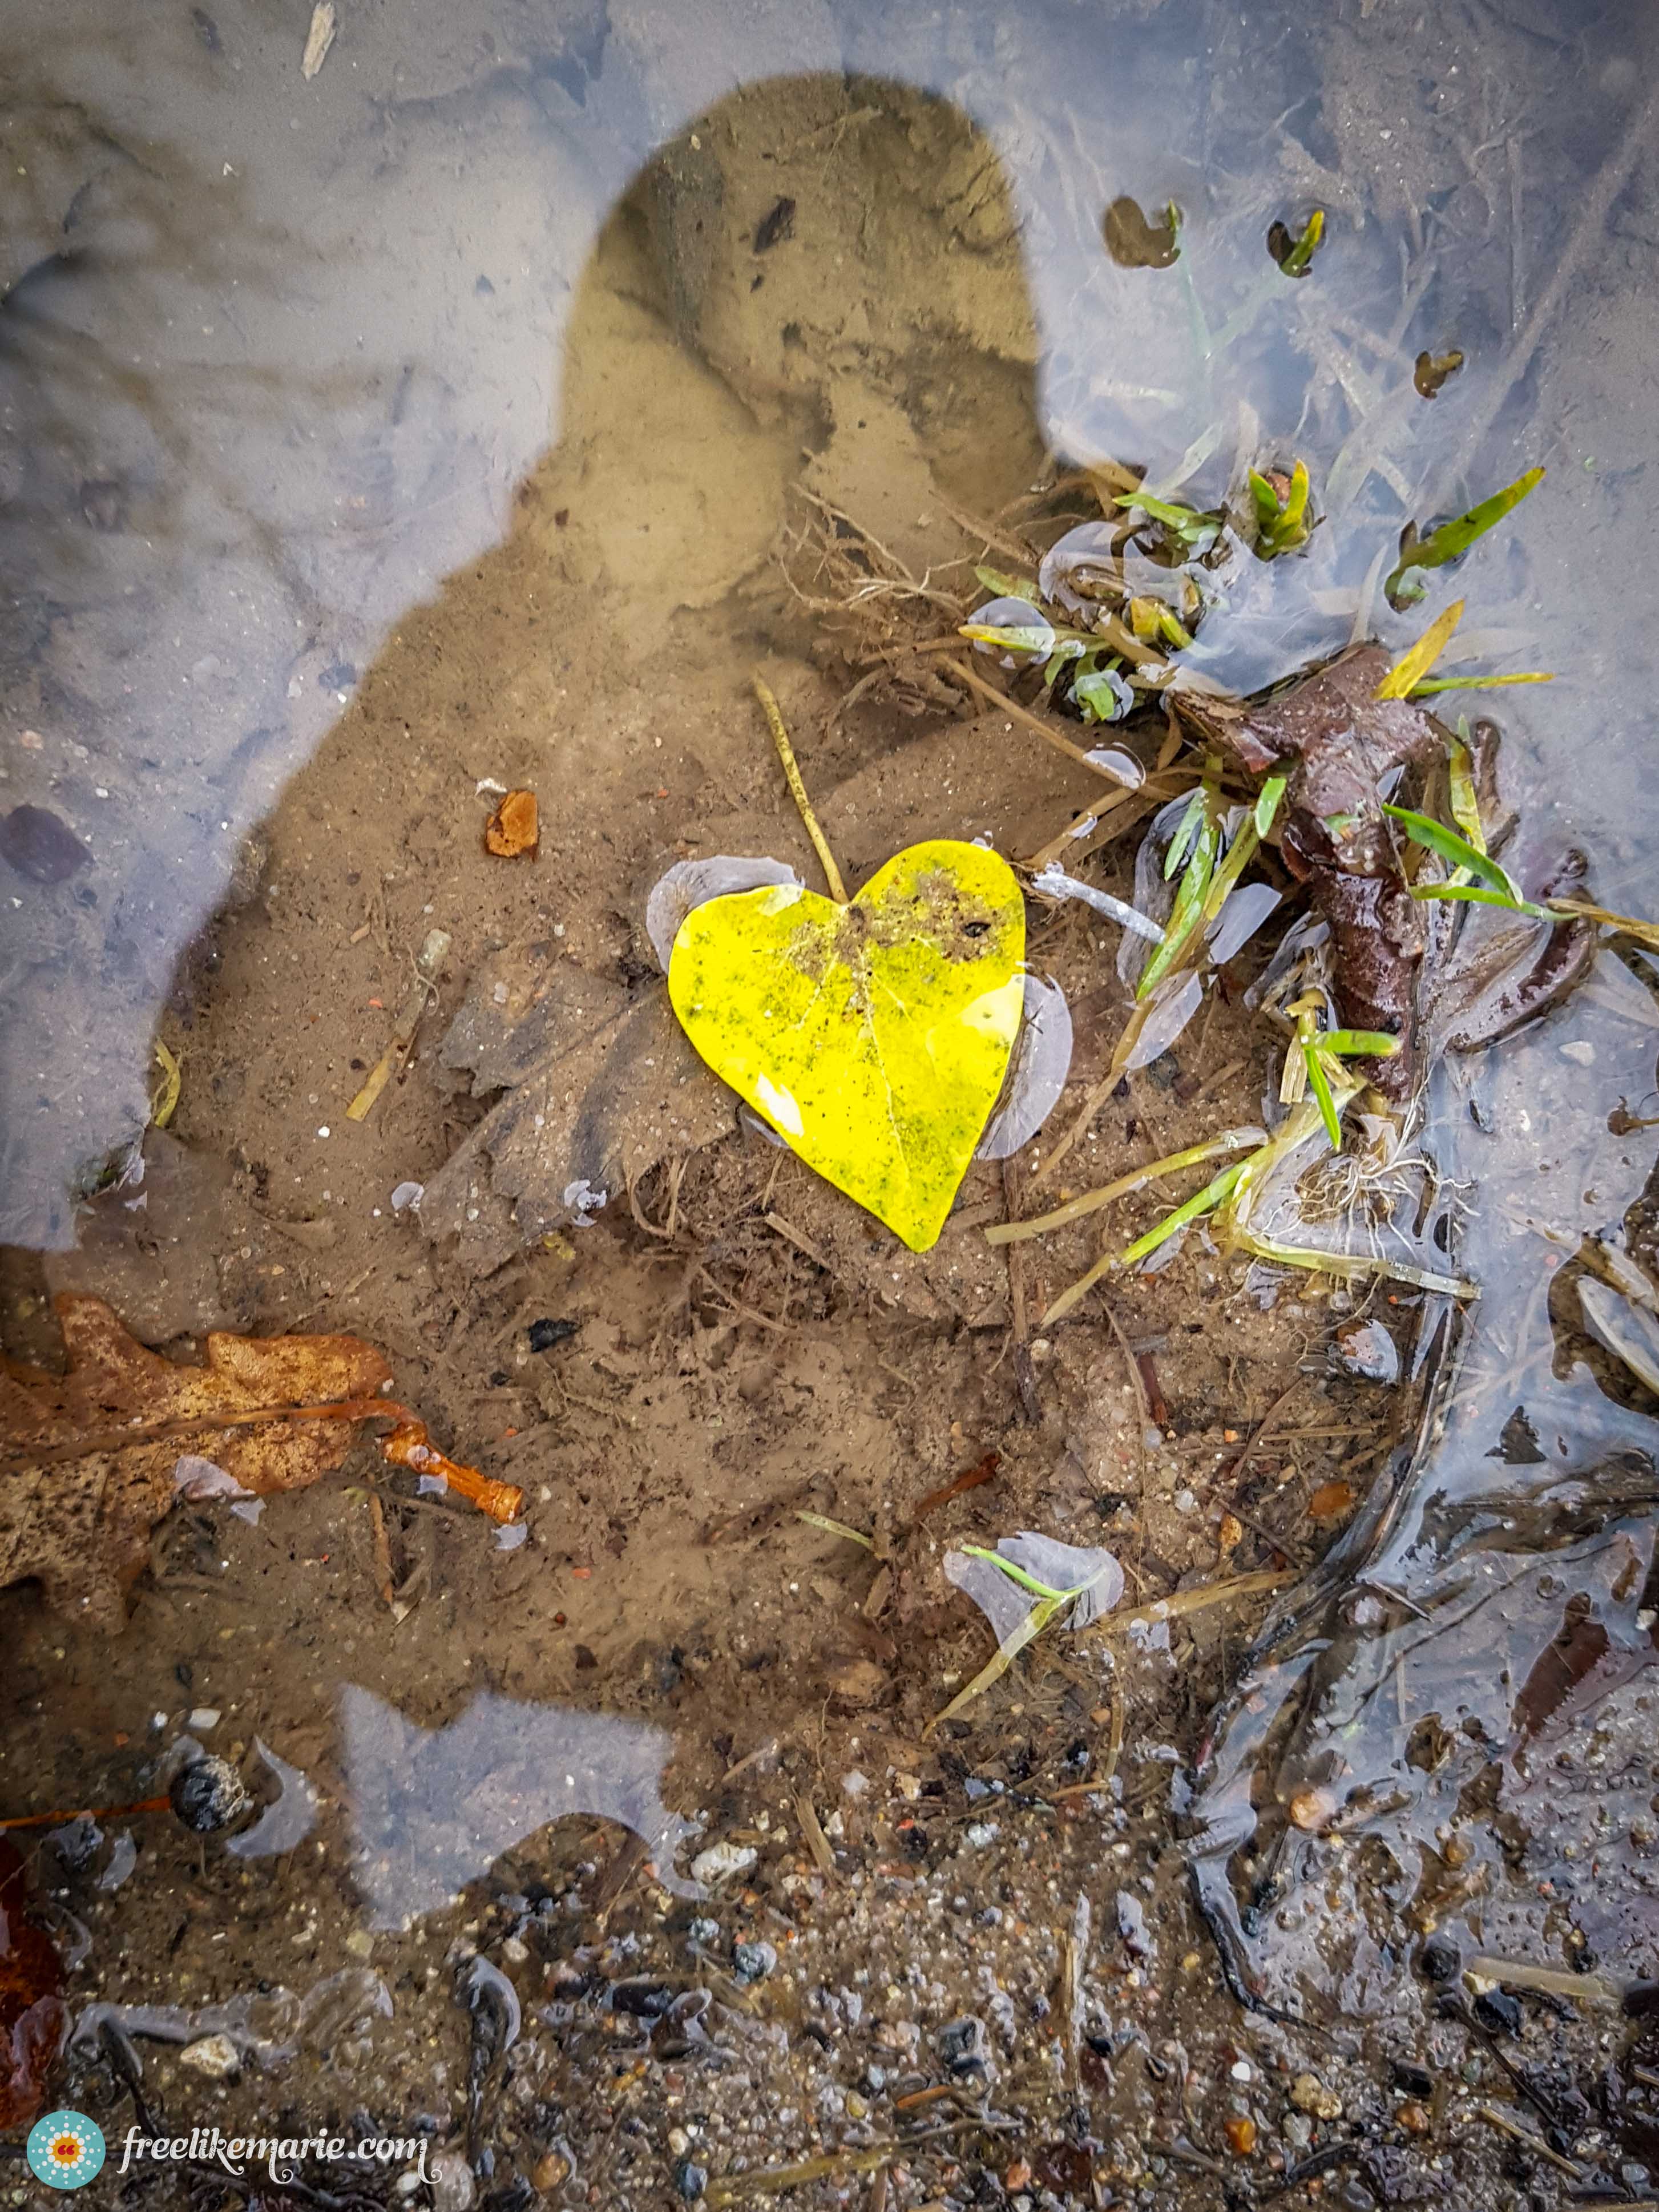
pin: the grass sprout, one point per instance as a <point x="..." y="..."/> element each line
<point x="1294" y="254"/>
<point x="1281" y="516"/>
<point x="1452" y="539"/>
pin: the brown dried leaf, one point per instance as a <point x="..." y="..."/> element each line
<point x="512" y="829"/>
<point x="600" y="1088"/>
<point x="77" y="1503"/>
<point x="32" y="2012"/>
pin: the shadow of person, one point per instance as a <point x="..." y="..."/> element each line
<point x="812" y="305"/>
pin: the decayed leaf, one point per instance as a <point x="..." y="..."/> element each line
<point x="599" y="1087"/>
<point x="512" y="829"/>
<point x="77" y="1503"/>
<point x="873" y="1037"/>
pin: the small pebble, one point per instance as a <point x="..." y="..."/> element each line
<point x="1241" y="2134"/>
<point x="204" y="1717"/>
<point x="551" y="2170"/>
<point x="215" y="2056"/>
<point x="1310" y="2095"/>
<point x="980" y="1834"/>
<point x="702" y="1933"/>
<point x="359" y="1943"/>
<point x="753" y="1962"/>
<point x="690" y="2179"/>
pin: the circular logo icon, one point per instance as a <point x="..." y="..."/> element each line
<point x="65" y="2150"/>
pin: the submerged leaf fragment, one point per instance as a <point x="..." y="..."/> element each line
<point x="511" y="831"/>
<point x="1037" y="1074"/>
<point x="873" y="1037"/>
<point x="1135" y="242"/>
<point x="1621" y="1326"/>
<point x="78" y="1500"/>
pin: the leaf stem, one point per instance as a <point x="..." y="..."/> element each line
<point x="774" y="714"/>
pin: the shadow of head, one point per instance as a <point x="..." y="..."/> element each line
<point x="821" y="282"/>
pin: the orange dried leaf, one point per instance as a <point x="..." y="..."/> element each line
<point x="1332" y="1501"/>
<point x="78" y="1501"/>
<point x="512" y="829"/>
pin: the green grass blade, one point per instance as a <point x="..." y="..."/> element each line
<point x="836" y="1528"/>
<point x="1455" y="538"/>
<point x="1186" y="830"/>
<point x="1187" y="910"/>
<point x="1001" y="1659"/>
<point x="1016" y="1574"/>
<point x="1465" y="804"/>
<point x="1003" y="585"/>
<point x="1366" y="1044"/>
<point x="1195" y="531"/>
<point x="1202" y="1201"/>
<point x="1320" y="1084"/>
<point x="1266" y="803"/>
<point x="1457" y="851"/>
<point x="1018" y="637"/>
<point x="1483" y="895"/>
<point x="1296" y="262"/>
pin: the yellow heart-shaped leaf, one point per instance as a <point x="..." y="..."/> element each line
<point x="873" y="1037"/>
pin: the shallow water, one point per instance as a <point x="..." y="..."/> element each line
<point x="280" y="361"/>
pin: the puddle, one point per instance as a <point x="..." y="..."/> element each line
<point x="472" y="418"/>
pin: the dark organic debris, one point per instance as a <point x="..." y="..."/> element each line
<point x="775" y="225"/>
<point x="545" y="1333"/>
<point x="1134" y="242"/>
<point x="1340" y="741"/>
<point x="1433" y="369"/>
<point x="39" y="845"/>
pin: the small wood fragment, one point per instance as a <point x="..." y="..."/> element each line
<point x="434" y="950"/>
<point x="319" y="38"/>
<point x="382" y="1552"/>
<point x="1535" y="2144"/>
<point x="811" y="1830"/>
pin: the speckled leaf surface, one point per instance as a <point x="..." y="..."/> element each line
<point x="874" y="1038"/>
